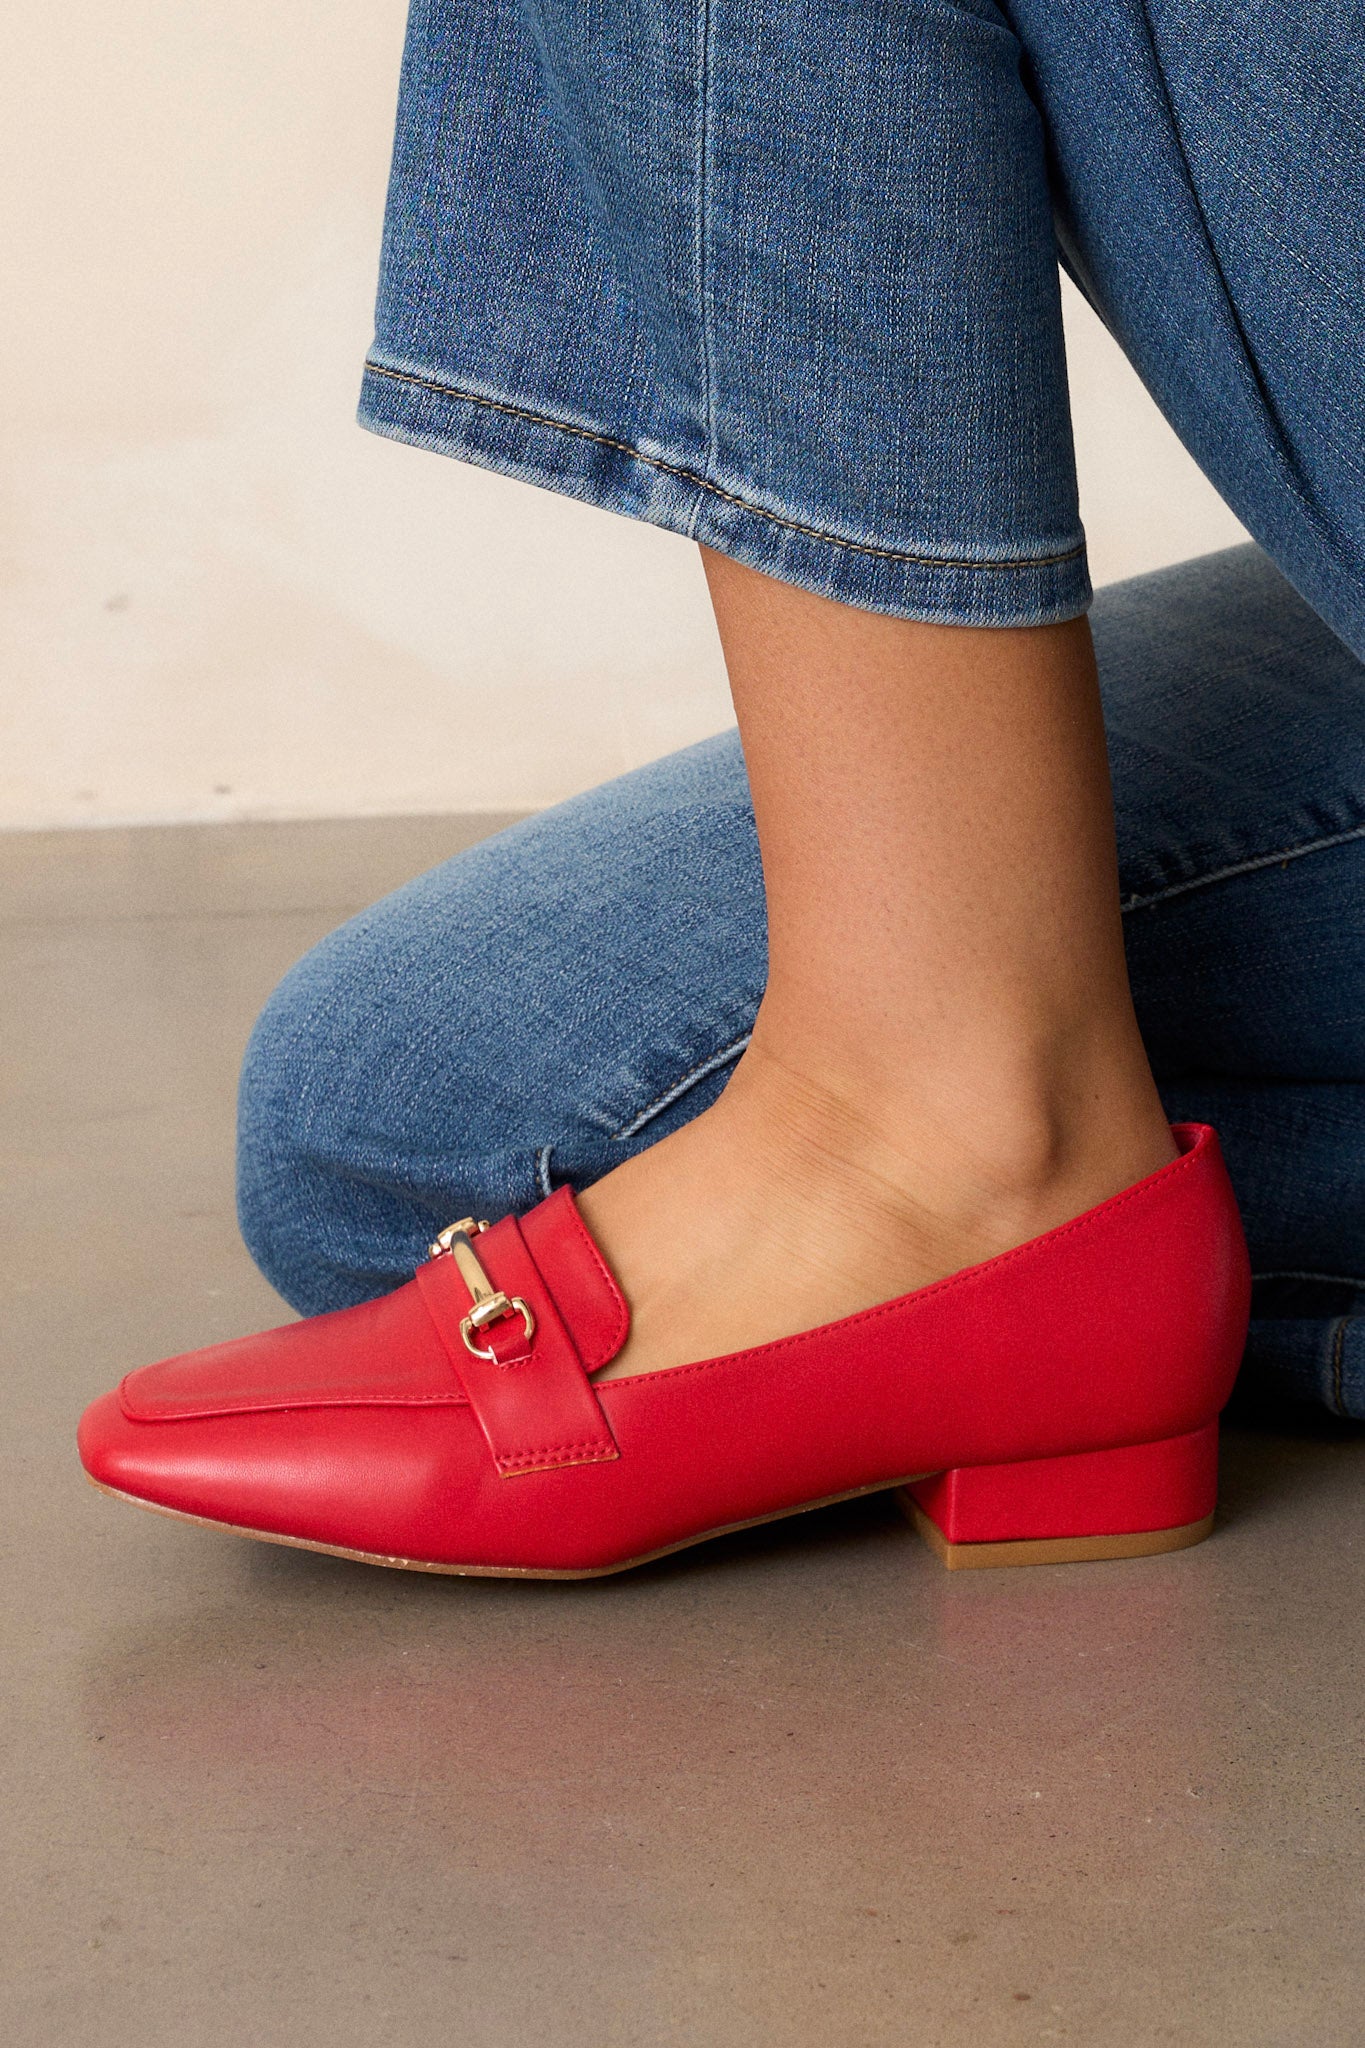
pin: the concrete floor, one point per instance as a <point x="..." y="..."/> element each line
<point x="797" y="1788"/>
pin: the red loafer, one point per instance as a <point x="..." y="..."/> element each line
<point x="1058" y="1402"/>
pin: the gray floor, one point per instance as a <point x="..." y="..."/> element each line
<point x="798" y="1788"/>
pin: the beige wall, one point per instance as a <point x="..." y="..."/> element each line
<point x="220" y="599"/>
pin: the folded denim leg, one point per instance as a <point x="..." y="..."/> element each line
<point x="777" y="274"/>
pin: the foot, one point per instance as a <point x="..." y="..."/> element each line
<point x="791" y="1203"/>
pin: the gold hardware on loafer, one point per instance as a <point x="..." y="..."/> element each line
<point x="490" y="1303"/>
<point x="468" y="1226"/>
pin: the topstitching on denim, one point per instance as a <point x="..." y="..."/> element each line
<point x="702" y="247"/>
<point x="701" y="483"/>
<point x="1243" y="867"/>
<point x="679" y="1088"/>
<point x="542" y="1171"/>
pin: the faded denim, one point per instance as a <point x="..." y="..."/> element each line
<point x="539" y="1008"/>
<point x="781" y="274"/>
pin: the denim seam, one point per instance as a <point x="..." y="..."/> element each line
<point x="703" y="239"/>
<point x="710" y="1065"/>
<point x="1339" y="1366"/>
<point x="1244" y="867"/>
<point x="542" y="1171"/>
<point x="862" y="547"/>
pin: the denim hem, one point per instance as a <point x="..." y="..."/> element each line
<point x="561" y="456"/>
<point x="1318" y="1359"/>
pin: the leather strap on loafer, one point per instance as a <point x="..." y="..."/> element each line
<point x="512" y="1353"/>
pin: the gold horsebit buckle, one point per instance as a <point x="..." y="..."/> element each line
<point x="490" y="1303"/>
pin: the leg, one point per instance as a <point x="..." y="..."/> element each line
<point x="718" y="380"/>
<point x="938" y="1072"/>
<point x="623" y="258"/>
<point x="818" y="331"/>
<point x="1237" y="737"/>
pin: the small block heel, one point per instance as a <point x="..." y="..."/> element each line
<point x="1134" y="1502"/>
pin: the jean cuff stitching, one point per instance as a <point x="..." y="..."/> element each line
<point x="701" y="483"/>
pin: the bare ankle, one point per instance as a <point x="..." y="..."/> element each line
<point x="1007" y="1136"/>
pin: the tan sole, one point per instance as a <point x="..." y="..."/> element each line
<point x="960" y="1557"/>
<point x="498" y="1571"/>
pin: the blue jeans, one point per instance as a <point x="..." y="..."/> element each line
<point x="782" y="274"/>
<point x="536" y="1010"/>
